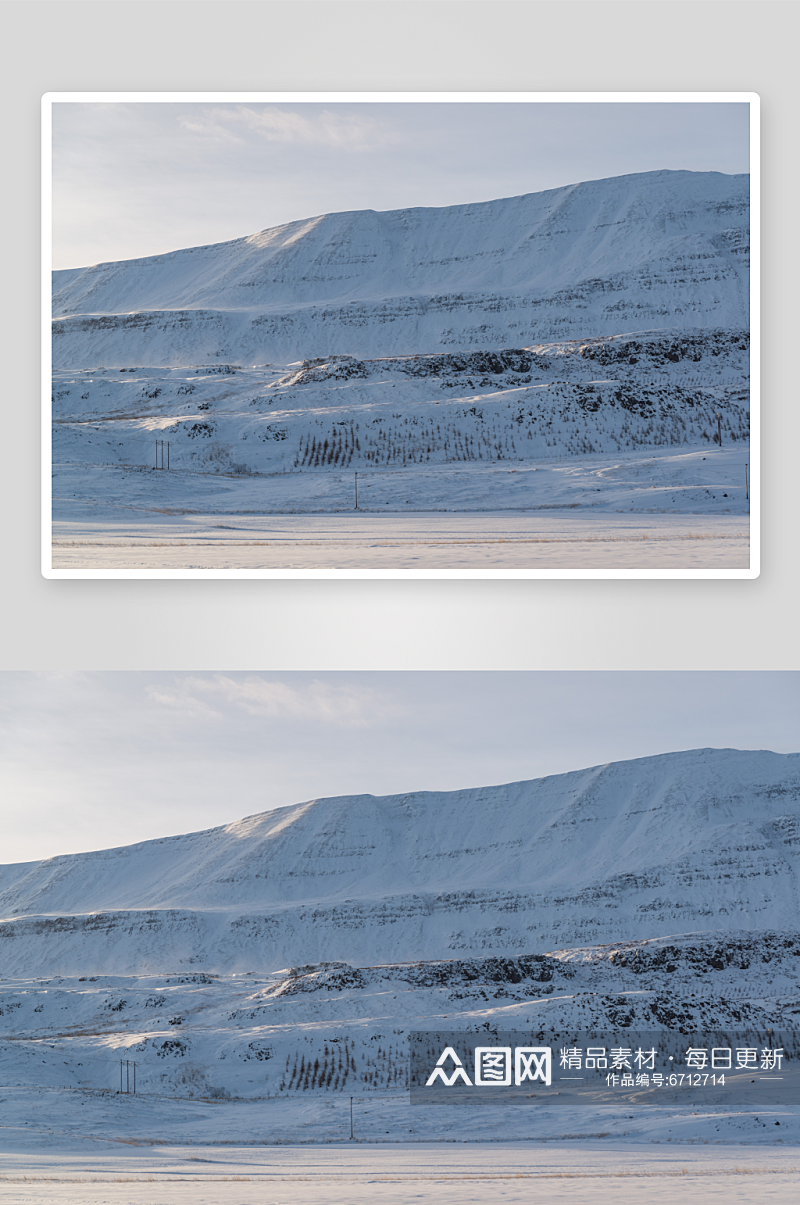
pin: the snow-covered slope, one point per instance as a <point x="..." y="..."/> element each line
<point x="707" y="839"/>
<point x="614" y="395"/>
<point x="658" y="249"/>
<point x="312" y="1032"/>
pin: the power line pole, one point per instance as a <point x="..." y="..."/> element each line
<point x="746" y="485"/>
<point x="356" y="491"/>
<point x="351" y="1117"/>
<point x="125" y="1065"/>
<point x="719" y="428"/>
<point x="160" y="445"/>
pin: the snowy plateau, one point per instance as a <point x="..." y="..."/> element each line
<point x="262" y="973"/>
<point x="557" y="380"/>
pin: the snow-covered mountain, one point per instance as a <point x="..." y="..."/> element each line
<point x="652" y="250"/>
<point x="605" y="319"/>
<point x="701" y="840"/>
<point x="290" y="954"/>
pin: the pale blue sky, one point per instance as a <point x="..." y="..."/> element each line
<point x="141" y="179"/>
<point x="93" y="760"/>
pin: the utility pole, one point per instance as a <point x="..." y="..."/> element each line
<point x="356" y="491"/>
<point x="719" y="427"/>
<point x="746" y="485"/>
<point x="351" y="1118"/>
<point x="126" y="1064"/>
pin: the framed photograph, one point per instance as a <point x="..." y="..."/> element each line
<point x="400" y="335"/>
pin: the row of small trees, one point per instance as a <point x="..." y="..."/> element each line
<point x="492" y="434"/>
<point x="330" y="1070"/>
<point x="335" y="449"/>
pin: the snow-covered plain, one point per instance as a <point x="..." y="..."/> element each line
<point x="605" y="323"/>
<point x="342" y="1172"/>
<point x="492" y="546"/>
<point x="636" y="511"/>
<point x="261" y="973"/>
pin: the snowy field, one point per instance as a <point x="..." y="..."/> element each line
<point x="76" y="1147"/>
<point x="41" y="1167"/>
<point x="340" y="1175"/>
<point x="663" y="510"/>
<point x="393" y="542"/>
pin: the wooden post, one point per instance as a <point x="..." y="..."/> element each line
<point x="746" y="485"/>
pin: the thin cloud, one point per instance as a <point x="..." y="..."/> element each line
<point x="341" y="706"/>
<point x="211" y="131"/>
<point x="343" y="132"/>
<point x="184" y="701"/>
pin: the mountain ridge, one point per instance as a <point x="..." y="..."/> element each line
<point x="625" y="851"/>
<point x="655" y="249"/>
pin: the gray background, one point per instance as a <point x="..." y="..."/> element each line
<point x="445" y="46"/>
